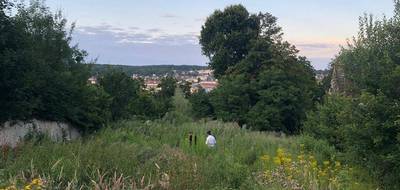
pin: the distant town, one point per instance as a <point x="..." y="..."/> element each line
<point x="199" y="77"/>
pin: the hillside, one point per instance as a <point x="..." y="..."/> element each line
<point x="147" y="70"/>
<point x="157" y="155"/>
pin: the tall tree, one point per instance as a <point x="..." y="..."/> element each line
<point x="263" y="82"/>
<point x="123" y="90"/>
<point x="226" y="37"/>
<point x="42" y="75"/>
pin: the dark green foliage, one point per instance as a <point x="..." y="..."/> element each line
<point x="201" y="104"/>
<point x="185" y="86"/>
<point x="163" y="98"/>
<point x="129" y="99"/>
<point x="263" y="82"/>
<point x="122" y="90"/>
<point x="366" y="129"/>
<point x="323" y="86"/>
<point x="226" y="37"/>
<point x="365" y="125"/>
<point x="42" y="76"/>
<point x="231" y="100"/>
<point x="159" y="70"/>
<point x="168" y="86"/>
<point x="325" y="122"/>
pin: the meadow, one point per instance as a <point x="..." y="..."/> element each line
<point x="157" y="155"/>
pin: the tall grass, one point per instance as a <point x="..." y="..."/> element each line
<point x="158" y="155"/>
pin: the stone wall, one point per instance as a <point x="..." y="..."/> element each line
<point x="12" y="132"/>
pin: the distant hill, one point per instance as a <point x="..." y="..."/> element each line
<point x="146" y="70"/>
<point x="157" y="69"/>
<point x="323" y="72"/>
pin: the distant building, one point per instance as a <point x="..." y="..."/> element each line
<point x="205" y="72"/>
<point x="152" y="85"/>
<point x="208" y="86"/>
<point x="135" y="76"/>
<point x="92" y="80"/>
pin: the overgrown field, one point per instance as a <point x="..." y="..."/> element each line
<point x="157" y="155"/>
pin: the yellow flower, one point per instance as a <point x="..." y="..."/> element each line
<point x="287" y="160"/>
<point x="337" y="164"/>
<point x="326" y="163"/>
<point x="277" y="161"/>
<point x="28" y="187"/>
<point x="265" y="157"/>
<point x="280" y="152"/>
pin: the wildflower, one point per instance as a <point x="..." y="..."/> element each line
<point x="277" y="161"/>
<point x="37" y="182"/>
<point x="280" y="153"/>
<point x="337" y="164"/>
<point x="265" y="157"/>
<point x="28" y="187"/>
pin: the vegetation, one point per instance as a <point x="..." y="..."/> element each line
<point x="52" y="76"/>
<point x="158" y="70"/>
<point x="363" y="121"/>
<point x="42" y="76"/>
<point x="158" y="155"/>
<point x="138" y="139"/>
<point x="263" y="82"/>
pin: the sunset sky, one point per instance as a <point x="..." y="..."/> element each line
<point x="154" y="32"/>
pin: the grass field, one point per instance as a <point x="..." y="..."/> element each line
<point x="157" y="155"/>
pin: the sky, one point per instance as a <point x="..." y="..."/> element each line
<point x="157" y="32"/>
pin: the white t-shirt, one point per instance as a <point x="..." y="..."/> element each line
<point x="210" y="141"/>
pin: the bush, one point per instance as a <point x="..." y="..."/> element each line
<point x="366" y="129"/>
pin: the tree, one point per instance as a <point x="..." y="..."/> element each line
<point x="226" y="37"/>
<point x="42" y="75"/>
<point x="186" y="87"/>
<point x="263" y="82"/>
<point x="231" y="100"/>
<point x="163" y="98"/>
<point x="123" y="90"/>
<point x="167" y="85"/>
<point x="201" y="104"/>
<point x="364" y="125"/>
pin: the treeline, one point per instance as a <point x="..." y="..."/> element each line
<point x="263" y="83"/>
<point x="44" y="77"/>
<point x="159" y="70"/>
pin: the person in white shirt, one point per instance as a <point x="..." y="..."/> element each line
<point x="210" y="141"/>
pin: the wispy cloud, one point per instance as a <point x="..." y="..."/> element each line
<point x="169" y="15"/>
<point x="154" y="30"/>
<point x="138" y="46"/>
<point x="318" y="49"/>
<point x="138" y="35"/>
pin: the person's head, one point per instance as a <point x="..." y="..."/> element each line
<point x="208" y="132"/>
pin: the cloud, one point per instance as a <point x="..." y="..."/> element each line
<point x="136" y="46"/>
<point x="316" y="45"/>
<point x="169" y="15"/>
<point x="134" y="28"/>
<point x="319" y="53"/>
<point x="154" y="30"/>
<point x="318" y="49"/>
